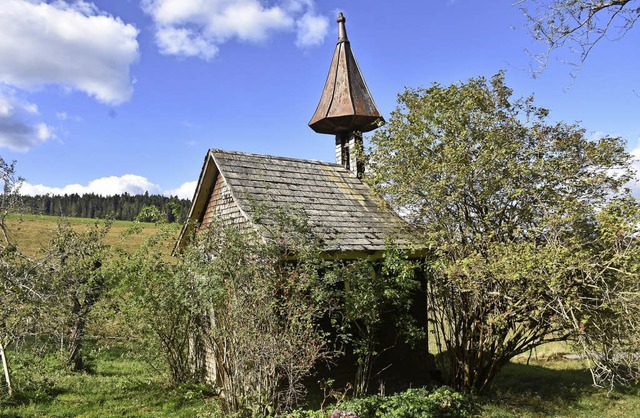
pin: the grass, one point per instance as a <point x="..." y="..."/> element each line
<point x="543" y="383"/>
<point x="558" y="388"/>
<point x="123" y="385"/>
<point x="32" y="232"/>
<point x="120" y="385"/>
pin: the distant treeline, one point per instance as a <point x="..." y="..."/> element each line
<point x="124" y="207"/>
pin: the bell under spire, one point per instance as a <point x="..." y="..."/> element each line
<point x="346" y="104"/>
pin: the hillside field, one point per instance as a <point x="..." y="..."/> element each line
<point x="31" y="233"/>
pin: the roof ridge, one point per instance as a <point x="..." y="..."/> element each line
<point x="276" y="157"/>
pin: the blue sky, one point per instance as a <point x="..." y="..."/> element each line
<point x="128" y="95"/>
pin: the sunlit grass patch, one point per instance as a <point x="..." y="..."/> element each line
<point x="32" y="232"/>
<point x="120" y="385"/>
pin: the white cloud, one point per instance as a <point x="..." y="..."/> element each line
<point x="63" y="116"/>
<point x="598" y="135"/>
<point x="18" y="129"/>
<point x="31" y="108"/>
<point x="196" y="28"/>
<point x="104" y="186"/>
<point x="311" y="30"/>
<point x="184" y="191"/>
<point x="108" y="186"/>
<point x="184" y="42"/>
<point x="43" y="132"/>
<point x="70" y="44"/>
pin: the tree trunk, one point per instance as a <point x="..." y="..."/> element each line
<point x="5" y="367"/>
<point x="76" y="339"/>
<point x="79" y="314"/>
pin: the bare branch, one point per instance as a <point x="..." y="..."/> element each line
<point x="576" y="24"/>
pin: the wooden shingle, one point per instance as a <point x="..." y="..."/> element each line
<point x="342" y="210"/>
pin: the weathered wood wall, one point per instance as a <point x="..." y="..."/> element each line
<point x="222" y="205"/>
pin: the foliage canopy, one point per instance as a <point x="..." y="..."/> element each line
<point x="505" y="200"/>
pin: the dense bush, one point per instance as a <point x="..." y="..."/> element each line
<point x="259" y="315"/>
<point x="413" y="403"/>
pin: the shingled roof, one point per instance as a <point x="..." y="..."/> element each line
<point x="342" y="210"/>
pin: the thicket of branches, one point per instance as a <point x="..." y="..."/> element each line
<point x="577" y="26"/>
<point x="259" y="315"/>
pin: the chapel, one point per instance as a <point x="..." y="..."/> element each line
<point x="351" y="221"/>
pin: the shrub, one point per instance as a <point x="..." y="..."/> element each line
<point x="260" y="312"/>
<point x="442" y="402"/>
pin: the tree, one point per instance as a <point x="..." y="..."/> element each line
<point x="78" y="279"/>
<point x="505" y="200"/>
<point x="577" y="24"/>
<point x="19" y="302"/>
<point x="10" y="199"/>
<point x="606" y="322"/>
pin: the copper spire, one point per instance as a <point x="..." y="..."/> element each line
<point x="345" y="105"/>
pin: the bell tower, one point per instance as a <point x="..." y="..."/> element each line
<point x="346" y="108"/>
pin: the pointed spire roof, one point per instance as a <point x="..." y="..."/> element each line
<point x="346" y="104"/>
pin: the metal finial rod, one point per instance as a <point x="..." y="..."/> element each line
<point x="342" y="31"/>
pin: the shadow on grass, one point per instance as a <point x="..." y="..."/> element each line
<point x="38" y="392"/>
<point x="557" y="388"/>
